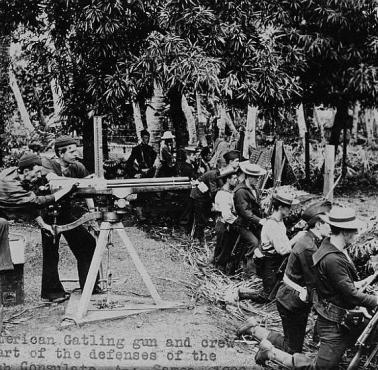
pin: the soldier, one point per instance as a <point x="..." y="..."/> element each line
<point x="167" y="157"/>
<point x="275" y="245"/>
<point x="142" y="158"/>
<point x="16" y="199"/>
<point x="140" y="164"/>
<point x="187" y="168"/>
<point x="294" y="296"/>
<point x="203" y="195"/>
<point x="80" y="241"/>
<point x="225" y="226"/>
<point x="340" y="304"/>
<point x="204" y="160"/>
<point x="247" y="205"/>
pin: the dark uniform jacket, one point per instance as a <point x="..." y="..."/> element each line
<point x="76" y="170"/>
<point x="15" y="197"/>
<point x="142" y="157"/>
<point x="187" y="169"/>
<point x="212" y="181"/>
<point x="335" y="276"/>
<point x="247" y="206"/>
<point x="300" y="270"/>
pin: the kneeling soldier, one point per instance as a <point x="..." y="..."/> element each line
<point x="337" y="298"/>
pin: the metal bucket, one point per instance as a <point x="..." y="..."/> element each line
<point x="12" y="281"/>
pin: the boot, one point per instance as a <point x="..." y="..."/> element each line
<point x="268" y="352"/>
<point x="251" y="327"/>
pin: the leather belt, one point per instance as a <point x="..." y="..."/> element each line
<point x="303" y="295"/>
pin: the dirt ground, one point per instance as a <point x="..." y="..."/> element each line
<point x="202" y="336"/>
<point x="142" y="337"/>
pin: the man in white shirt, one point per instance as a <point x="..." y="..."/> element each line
<point x="225" y="231"/>
<point x="275" y="245"/>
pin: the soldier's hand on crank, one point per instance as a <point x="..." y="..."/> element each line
<point x="365" y="312"/>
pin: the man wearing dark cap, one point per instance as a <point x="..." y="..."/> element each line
<point x="16" y="199"/>
<point x="80" y="241"/>
<point x="204" y="194"/>
<point x="247" y="205"/>
<point x="142" y="158"/>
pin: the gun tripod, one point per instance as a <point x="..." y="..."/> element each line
<point x="80" y="308"/>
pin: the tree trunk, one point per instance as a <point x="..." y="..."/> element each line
<point x="222" y="121"/>
<point x="369" y="120"/>
<point x="5" y="91"/>
<point x="153" y="116"/>
<point x="20" y="101"/>
<point x="190" y="121"/>
<point x="177" y="117"/>
<point x="57" y="100"/>
<point x="250" y="130"/>
<point x="356" y="111"/>
<point x="137" y="119"/>
<point x="201" y="122"/>
<point x="301" y="123"/>
<point x="341" y="121"/>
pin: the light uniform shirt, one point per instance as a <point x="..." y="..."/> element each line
<point x="224" y="203"/>
<point x="274" y="238"/>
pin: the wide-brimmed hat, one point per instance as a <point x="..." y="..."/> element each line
<point x="318" y="208"/>
<point x="343" y="218"/>
<point x="285" y="199"/>
<point x="251" y="169"/>
<point x="191" y="148"/>
<point x="167" y="135"/>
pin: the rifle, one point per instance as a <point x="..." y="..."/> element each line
<point x="362" y="340"/>
<point x="280" y="273"/>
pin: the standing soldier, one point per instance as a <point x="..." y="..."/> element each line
<point x="247" y="205"/>
<point x="204" y="161"/>
<point x="167" y="158"/>
<point x="187" y="168"/>
<point x="140" y="164"/>
<point x="225" y="228"/>
<point x="203" y="195"/>
<point x="142" y="158"/>
<point x="80" y="241"/>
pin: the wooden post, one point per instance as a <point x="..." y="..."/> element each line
<point x="369" y="118"/>
<point x="278" y="160"/>
<point x="329" y="169"/>
<point x="137" y="119"/>
<point x="307" y="157"/>
<point x="98" y="146"/>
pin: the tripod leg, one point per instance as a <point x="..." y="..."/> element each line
<point x="138" y="263"/>
<point x="93" y="270"/>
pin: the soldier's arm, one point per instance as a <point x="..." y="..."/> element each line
<point x="339" y="276"/>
